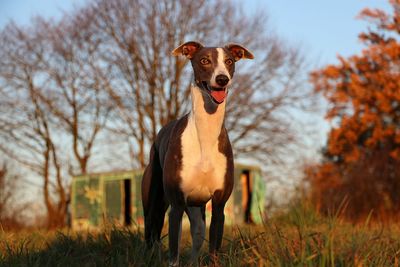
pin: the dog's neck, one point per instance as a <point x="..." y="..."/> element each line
<point x="207" y="117"/>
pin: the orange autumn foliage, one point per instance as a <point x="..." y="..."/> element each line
<point x="362" y="156"/>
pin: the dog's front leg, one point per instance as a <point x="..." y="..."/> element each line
<point x="197" y="229"/>
<point x="175" y="229"/>
<point x="216" y="229"/>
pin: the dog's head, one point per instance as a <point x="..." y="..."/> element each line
<point x="213" y="66"/>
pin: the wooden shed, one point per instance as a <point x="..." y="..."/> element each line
<point x="115" y="198"/>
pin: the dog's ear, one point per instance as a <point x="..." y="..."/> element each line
<point x="187" y="49"/>
<point x="239" y="52"/>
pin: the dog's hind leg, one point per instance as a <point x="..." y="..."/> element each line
<point x="197" y="219"/>
<point x="154" y="205"/>
<point x="174" y="234"/>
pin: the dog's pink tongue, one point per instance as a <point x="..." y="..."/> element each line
<point x="219" y="96"/>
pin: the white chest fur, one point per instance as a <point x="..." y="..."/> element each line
<point x="203" y="165"/>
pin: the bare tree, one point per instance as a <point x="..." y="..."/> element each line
<point x="13" y="204"/>
<point x="8" y="184"/>
<point x="51" y="101"/>
<point x="26" y="132"/>
<point x="150" y="87"/>
<point x="72" y="90"/>
<point x="147" y="85"/>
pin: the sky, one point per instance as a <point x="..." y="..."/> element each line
<point x="21" y="11"/>
<point x="323" y="28"/>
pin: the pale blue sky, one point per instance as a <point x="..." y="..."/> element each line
<point x="324" y="28"/>
<point x="22" y="10"/>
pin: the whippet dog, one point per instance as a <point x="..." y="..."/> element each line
<point x="191" y="160"/>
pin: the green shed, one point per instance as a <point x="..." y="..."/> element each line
<point x="115" y="198"/>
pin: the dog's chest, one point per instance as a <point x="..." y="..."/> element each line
<point x="203" y="166"/>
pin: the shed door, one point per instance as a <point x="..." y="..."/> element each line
<point x="86" y="202"/>
<point x="114" y="201"/>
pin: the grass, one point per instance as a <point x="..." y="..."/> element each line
<point x="297" y="238"/>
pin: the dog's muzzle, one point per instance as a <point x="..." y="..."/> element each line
<point x="218" y="94"/>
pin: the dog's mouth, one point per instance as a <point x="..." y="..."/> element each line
<point x="218" y="94"/>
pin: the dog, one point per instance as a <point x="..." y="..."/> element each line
<point x="191" y="160"/>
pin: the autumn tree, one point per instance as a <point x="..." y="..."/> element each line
<point x="362" y="156"/>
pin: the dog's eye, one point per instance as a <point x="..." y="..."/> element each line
<point x="229" y="62"/>
<point x="204" y="61"/>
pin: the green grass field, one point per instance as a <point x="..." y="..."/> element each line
<point x="297" y="238"/>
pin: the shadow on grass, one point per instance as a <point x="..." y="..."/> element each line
<point x="110" y="248"/>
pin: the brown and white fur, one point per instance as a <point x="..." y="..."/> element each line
<point x="191" y="161"/>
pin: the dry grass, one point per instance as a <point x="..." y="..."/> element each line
<point x="297" y="238"/>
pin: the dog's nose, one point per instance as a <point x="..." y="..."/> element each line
<point x="222" y="80"/>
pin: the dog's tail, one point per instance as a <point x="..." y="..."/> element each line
<point x="154" y="205"/>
